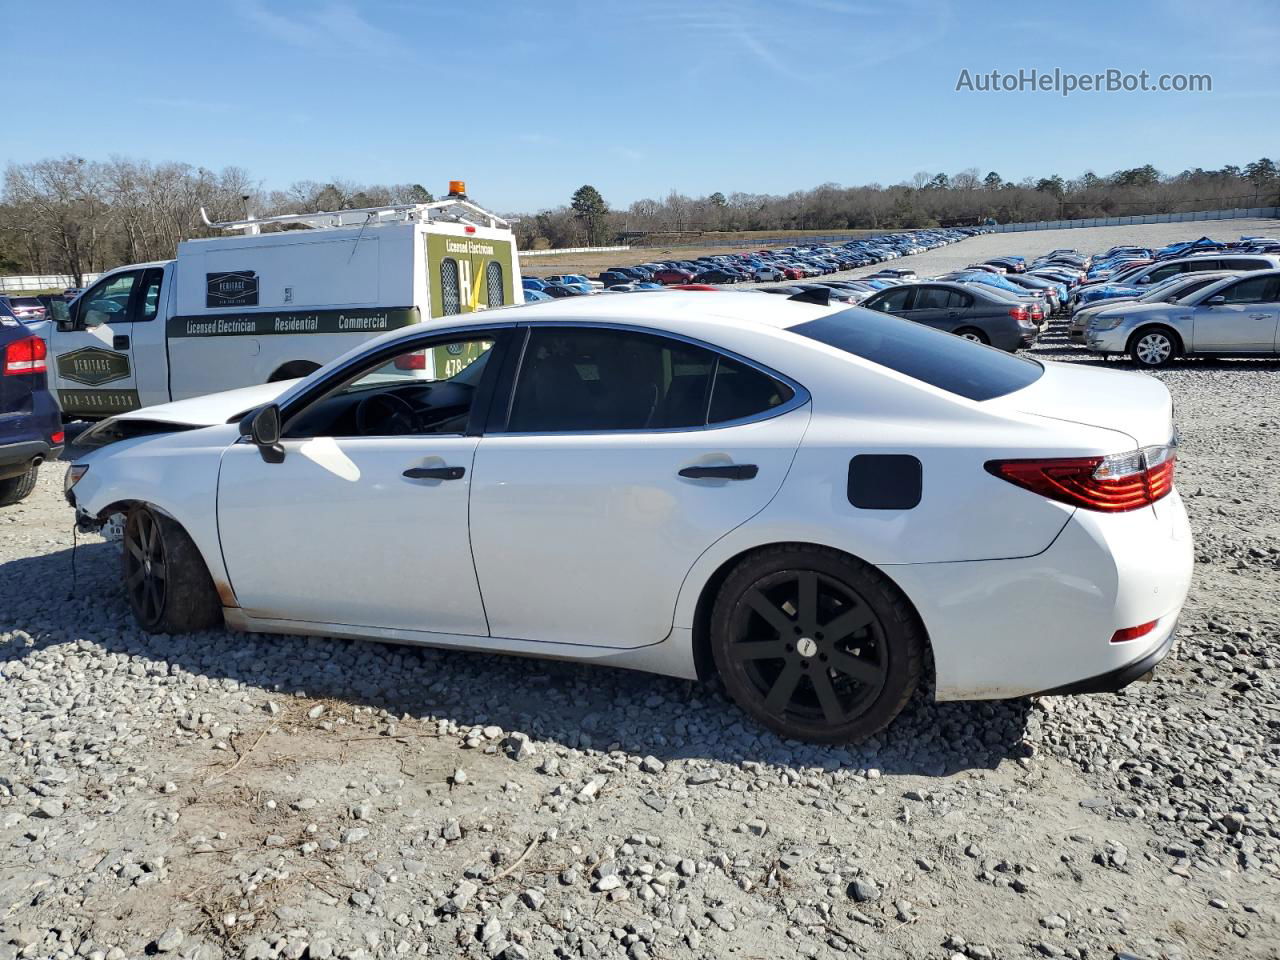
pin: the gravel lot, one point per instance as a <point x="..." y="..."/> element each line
<point x="224" y="795"/>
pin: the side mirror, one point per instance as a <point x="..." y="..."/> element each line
<point x="262" y="426"/>
<point x="60" y="313"/>
<point x="1214" y="301"/>
<point x="1144" y="279"/>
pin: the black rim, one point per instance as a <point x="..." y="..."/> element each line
<point x="146" y="571"/>
<point x="810" y="645"/>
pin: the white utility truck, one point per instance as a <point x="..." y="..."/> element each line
<point x="257" y="306"/>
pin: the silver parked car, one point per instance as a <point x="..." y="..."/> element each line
<point x="1236" y="316"/>
<point x="1173" y="288"/>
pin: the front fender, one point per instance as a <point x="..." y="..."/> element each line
<point x="176" y="473"/>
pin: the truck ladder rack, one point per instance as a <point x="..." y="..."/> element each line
<point x="450" y="209"/>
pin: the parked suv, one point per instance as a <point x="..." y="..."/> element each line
<point x="30" y="421"/>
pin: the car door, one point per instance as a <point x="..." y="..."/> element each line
<point x="93" y="366"/>
<point x="929" y="307"/>
<point x="1239" y="318"/>
<point x="895" y="300"/>
<point x="622" y="457"/>
<point x="364" y="521"/>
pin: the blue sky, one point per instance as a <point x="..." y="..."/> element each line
<point x="527" y="101"/>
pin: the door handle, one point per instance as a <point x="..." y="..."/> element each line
<point x="120" y="341"/>
<point x="729" y="471"/>
<point x="435" y="473"/>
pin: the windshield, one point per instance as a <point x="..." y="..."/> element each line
<point x="942" y="360"/>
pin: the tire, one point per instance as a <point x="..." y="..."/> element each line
<point x="13" y="489"/>
<point x="165" y="579"/>
<point x="808" y="691"/>
<point x="974" y="334"/>
<point x="1154" y="346"/>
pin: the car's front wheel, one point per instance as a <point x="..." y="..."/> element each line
<point x="13" y="489"/>
<point x="165" y="579"/>
<point x="1154" y="347"/>
<point x="815" y="644"/>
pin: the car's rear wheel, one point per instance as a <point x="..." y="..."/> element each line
<point x="1154" y="346"/>
<point x="165" y="579"/>
<point x="13" y="489"/>
<point x="974" y="334"/>
<point x="815" y="644"/>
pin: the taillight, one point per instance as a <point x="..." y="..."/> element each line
<point x="1112" y="484"/>
<point x="25" y="356"/>
<point x="412" y="361"/>
<point x="1019" y="313"/>
<point x="58" y="438"/>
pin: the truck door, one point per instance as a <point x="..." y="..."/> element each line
<point x="93" y="368"/>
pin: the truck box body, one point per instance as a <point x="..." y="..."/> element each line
<point x="232" y="311"/>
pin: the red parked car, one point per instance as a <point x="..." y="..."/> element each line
<point x="794" y="273"/>
<point x="671" y="276"/>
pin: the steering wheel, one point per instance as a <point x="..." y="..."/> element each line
<point x="385" y="414"/>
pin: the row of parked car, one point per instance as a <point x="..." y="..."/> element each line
<point x="1204" y="296"/>
<point x="789" y="263"/>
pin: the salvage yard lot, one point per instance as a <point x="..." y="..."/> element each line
<point x="232" y="795"/>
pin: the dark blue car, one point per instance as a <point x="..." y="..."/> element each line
<point x="30" y="421"/>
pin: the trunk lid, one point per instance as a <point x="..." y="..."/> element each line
<point x="1134" y="405"/>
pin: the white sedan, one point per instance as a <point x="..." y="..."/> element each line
<point x="816" y="506"/>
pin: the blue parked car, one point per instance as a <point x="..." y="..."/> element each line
<point x="535" y="296"/>
<point x="533" y="283"/>
<point x="30" y="420"/>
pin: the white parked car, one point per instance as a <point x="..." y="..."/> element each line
<point x="807" y="503"/>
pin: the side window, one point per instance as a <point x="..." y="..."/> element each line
<point x="108" y="301"/>
<point x="959" y="301"/>
<point x="493" y="284"/>
<point x="1244" y="263"/>
<point x="420" y="392"/>
<point x="148" y="302"/>
<point x="450" y="292"/>
<point x="1155" y="276"/>
<point x="932" y="298"/>
<point x="895" y="301"/>
<point x="741" y="391"/>
<point x="1252" y="290"/>
<point x="594" y="380"/>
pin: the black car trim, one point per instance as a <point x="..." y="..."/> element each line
<point x="1113" y="681"/>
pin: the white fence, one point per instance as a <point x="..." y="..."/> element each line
<point x="49" y="281"/>
<point x="1244" y="213"/>
<point x="548" y="253"/>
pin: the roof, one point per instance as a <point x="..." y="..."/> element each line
<point x="732" y="308"/>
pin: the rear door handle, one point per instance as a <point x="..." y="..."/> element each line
<point x="435" y="473"/>
<point x="120" y="341"/>
<point x="730" y="471"/>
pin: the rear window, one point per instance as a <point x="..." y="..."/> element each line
<point x="939" y="359"/>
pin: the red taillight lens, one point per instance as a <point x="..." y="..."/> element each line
<point x="1133" y="633"/>
<point x="1110" y="484"/>
<point x="58" y="438"/>
<point x="25" y="356"/>
<point x="1019" y="313"/>
<point x="411" y="361"/>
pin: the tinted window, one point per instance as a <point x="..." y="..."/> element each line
<point x="940" y="359"/>
<point x="108" y="301"/>
<point x="932" y="298"/>
<point x="1253" y="290"/>
<point x="587" y="379"/>
<point x="893" y="301"/>
<point x="1245" y="263"/>
<point x="742" y="391"/>
<point x="1155" y="276"/>
<point x="149" y="297"/>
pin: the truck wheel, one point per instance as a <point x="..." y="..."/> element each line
<point x="294" y="370"/>
<point x="165" y="578"/>
<point x="18" y="488"/>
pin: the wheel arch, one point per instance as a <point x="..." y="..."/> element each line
<point x="293" y="370"/>
<point x="216" y="571"/>
<point x="700" y="625"/>
<point x="1179" y="344"/>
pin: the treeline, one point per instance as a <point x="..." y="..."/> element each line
<point x="927" y="200"/>
<point x="74" y="216"/>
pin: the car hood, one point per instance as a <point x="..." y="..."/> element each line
<point x="1133" y="404"/>
<point x="211" y="408"/>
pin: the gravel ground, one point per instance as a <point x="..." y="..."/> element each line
<point x="221" y="795"/>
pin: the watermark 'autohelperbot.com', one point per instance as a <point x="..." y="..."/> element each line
<point x="1065" y="83"/>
